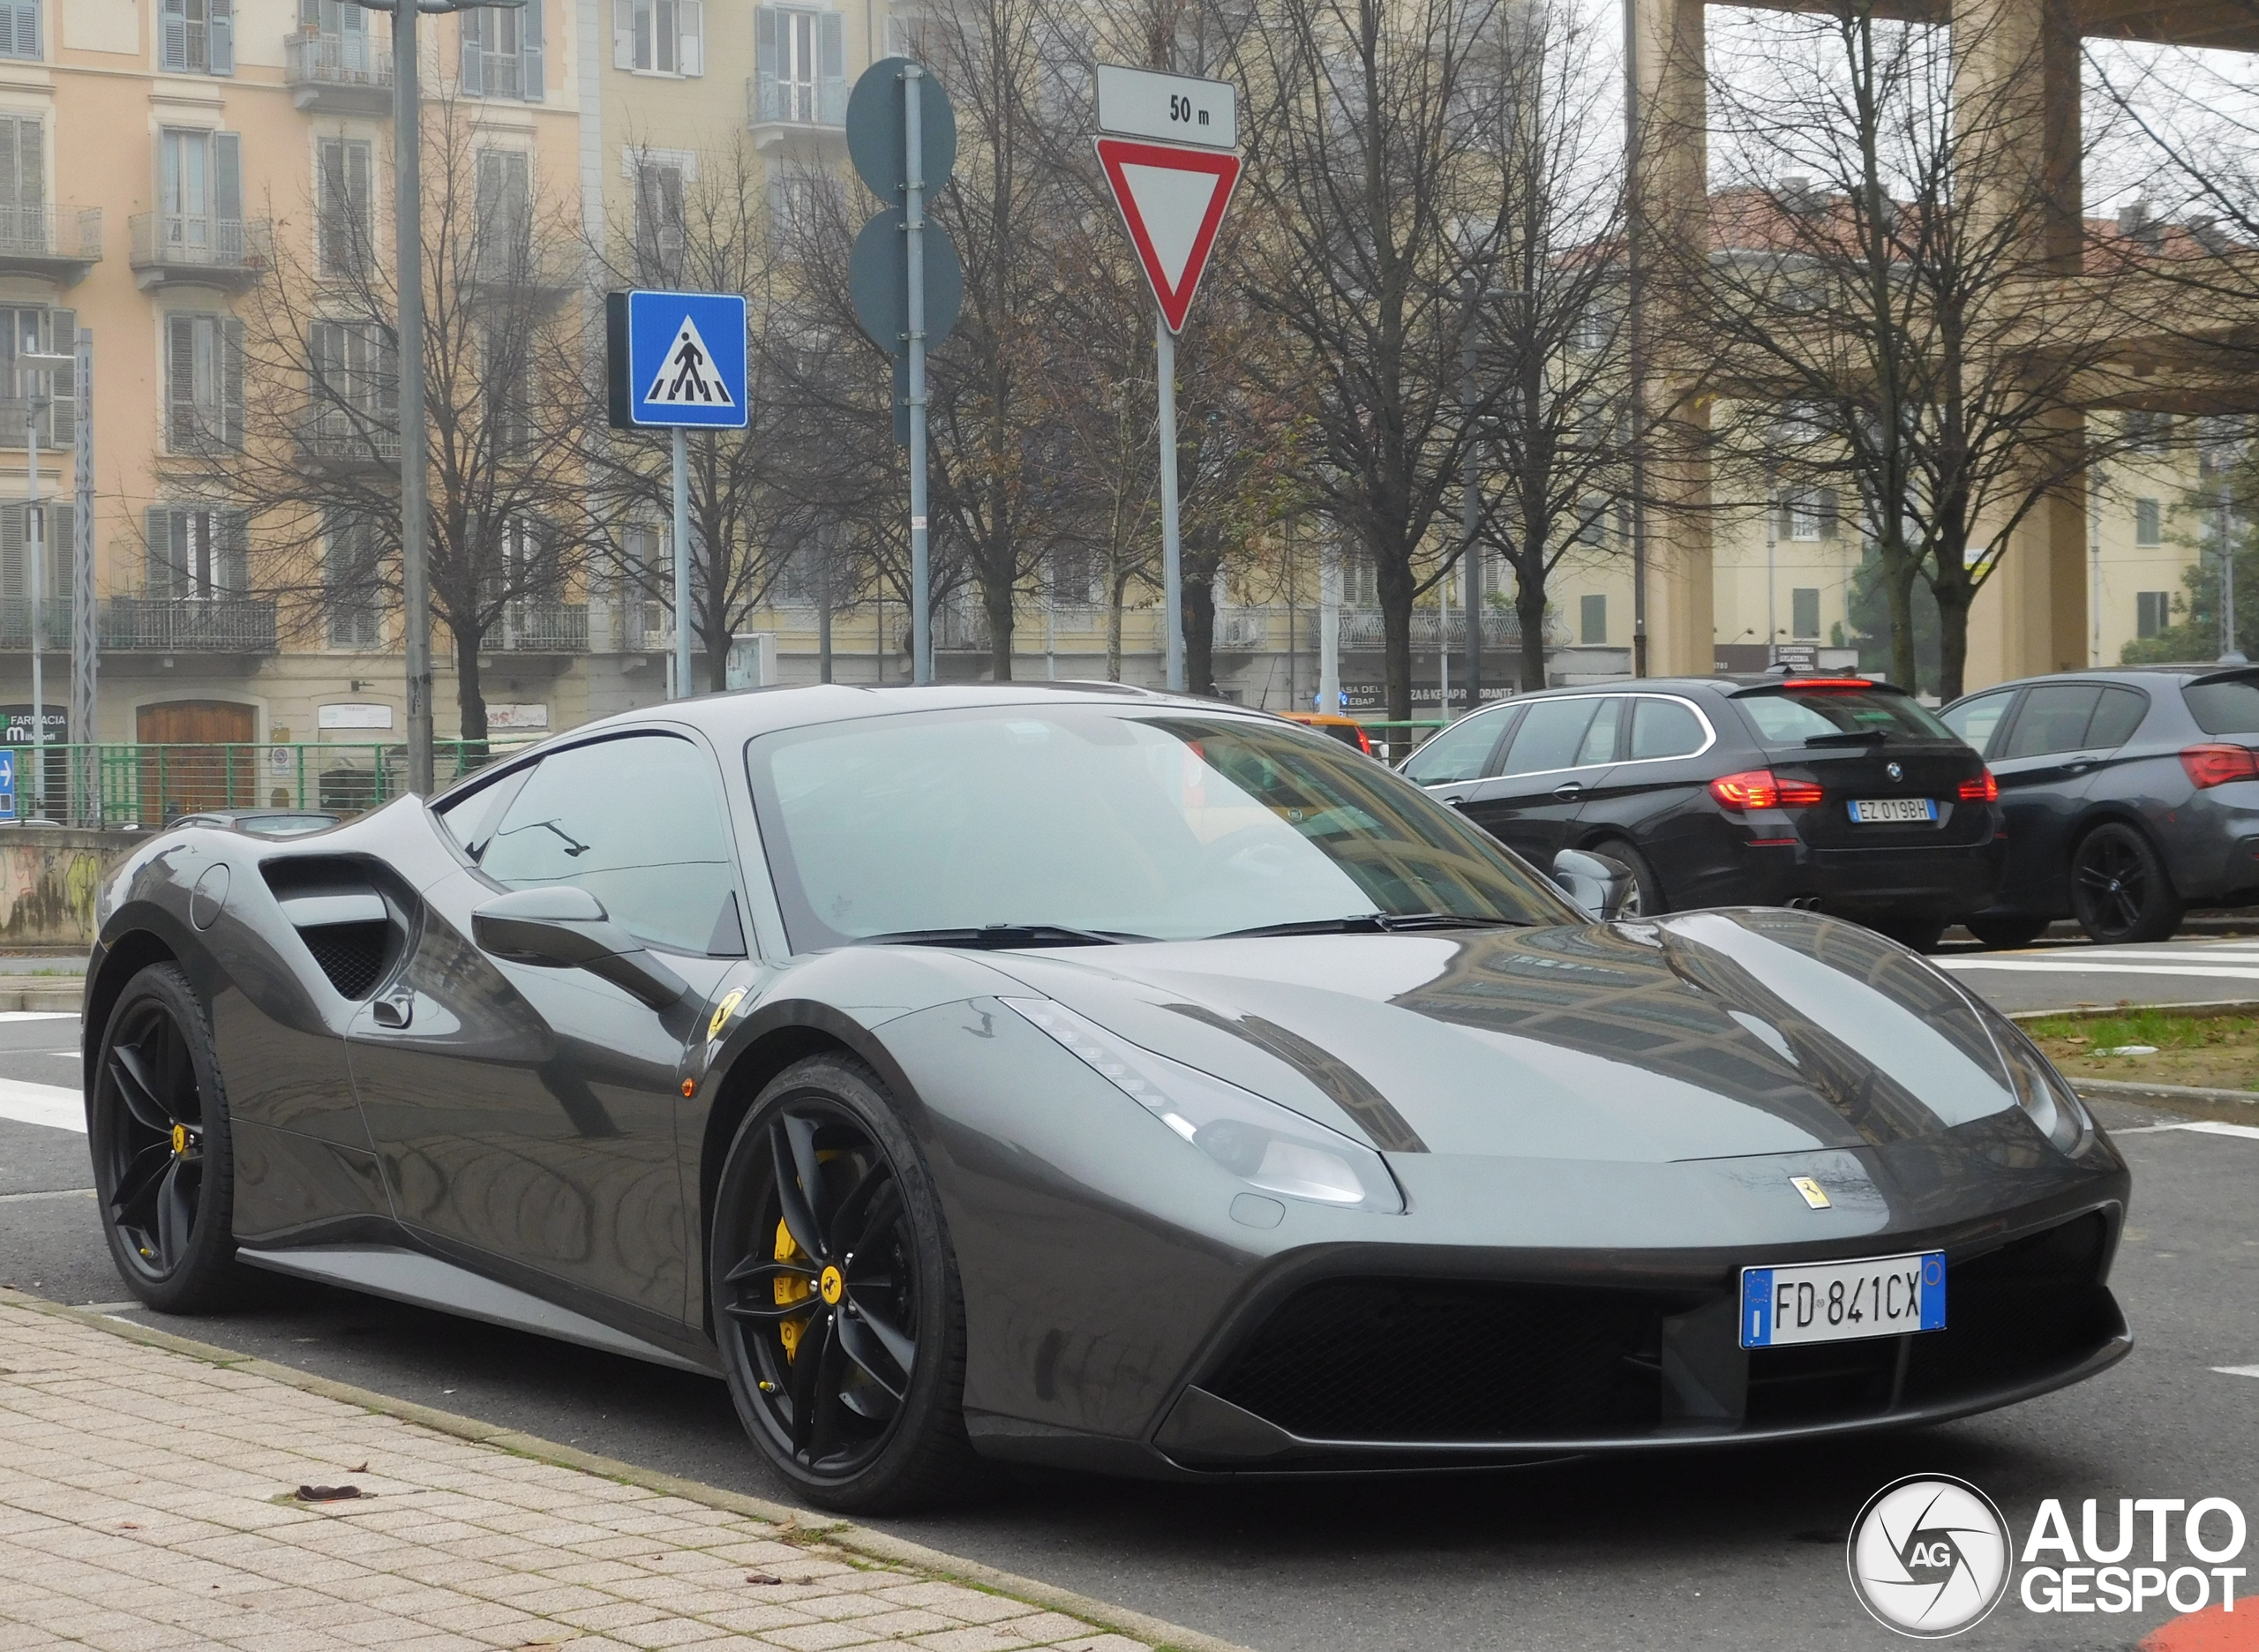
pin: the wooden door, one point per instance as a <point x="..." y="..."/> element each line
<point x="196" y="755"/>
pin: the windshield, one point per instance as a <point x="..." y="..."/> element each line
<point x="1790" y="716"/>
<point x="1169" y="826"/>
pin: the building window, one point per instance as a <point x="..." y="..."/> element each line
<point x="23" y="184"/>
<point x="57" y="531"/>
<point x="200" y="195"/>
<point x="663" y="37"/>
<point x="2148" y="432"/>
<point x="501" y="52"/>
<point x="354" y="382"/>
<point x="197" y="553"/>
<point x="28" y="329"/>
<point x="2148" y="524"/>
<point x="1811" y="514"/>
<point x="1803" y="611"/>
<point x="800" y="64"/>
<point x="20" y="28"/>
<point x="508" y="383"/>
<point x="347" y="225"/>
<point x="2152" y="612"/>
<point x="204" y="382"/>
<point x="505" y="230"/>
<point x="648" y="572"/>
<point x="196" y="37"/>
<point x="658" y="223"/>
<point x="1592" y="520"/>
<point x="350" y="584"/>
<point x="1592" y="619"/>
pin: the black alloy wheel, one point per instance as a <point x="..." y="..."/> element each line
<point x="162" y="1152"/>
<point x="835" y="1301"/>
<point x="2120" y="892"/>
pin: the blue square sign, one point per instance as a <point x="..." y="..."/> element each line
<point x="676" y="358"/>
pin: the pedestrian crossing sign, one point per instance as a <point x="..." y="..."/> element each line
<point x="676" y="358"/>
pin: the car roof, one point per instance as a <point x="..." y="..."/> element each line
<point x="2183" y="673"/>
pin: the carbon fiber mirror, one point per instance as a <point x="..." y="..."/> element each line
<point x="560" y="926"/>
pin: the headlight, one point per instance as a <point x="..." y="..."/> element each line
<point x="2044" y="1093"/>
<point x="1264" y="1144"/>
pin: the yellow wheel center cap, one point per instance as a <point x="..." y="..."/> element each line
<point x="831" y="1286"/>
<point x="180" y="1138"/>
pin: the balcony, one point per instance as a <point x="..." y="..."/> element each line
<point x="777" y="112"/>
<point x="540" y="627"/>
<point x="347" y="438"/>
<point x="60" y="243"/>
<point x="1361" y="629"/>
<point x="186" y="249"/>
<point x="338" y="74"/>
<point x="220" y="625"/>
<point x="16" y="625"/>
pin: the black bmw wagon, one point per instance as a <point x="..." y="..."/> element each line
<point x="1834" y="793"/>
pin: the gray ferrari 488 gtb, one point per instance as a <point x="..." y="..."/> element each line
<point x="1083" y="1076"/>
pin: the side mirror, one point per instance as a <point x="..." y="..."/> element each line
<point x="564" y="927"/>
<point x="1603" y="886"/>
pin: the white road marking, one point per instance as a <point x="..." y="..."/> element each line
<point x="39" y="1015"/>
<point x="2237" y="1371"/>
<point x="2050" y="966"/>
<point x="73" y="1192"/>
<point x="50" y="1105"/>
<point x="2203" y="1127"/>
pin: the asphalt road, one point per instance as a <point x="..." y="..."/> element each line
<point x="1735" y="1548"/>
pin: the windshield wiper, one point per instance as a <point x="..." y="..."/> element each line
<point x="1849" y="737"/>
<point x="1001" y="935"/>
<point x="1378" y="923"/>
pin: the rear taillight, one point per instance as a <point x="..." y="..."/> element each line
<point x="1364" y="743"/>
<point x="1762" y="789"/>
<point x="2216" y="765"/>
<point x="1983" y="789"/>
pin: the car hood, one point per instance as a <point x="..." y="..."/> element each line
<point x="1701" y="1035"/>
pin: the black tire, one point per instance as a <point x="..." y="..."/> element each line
<point x="163" y="1154"/>
<point x="2120" y="892"/>
<point x="1916" y="932"/>
<point x="1647" y="898"/>
<point x="2013" y="930"/>
<point x="857" y="1398"/>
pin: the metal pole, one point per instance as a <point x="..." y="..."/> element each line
<point x="1442" y="647"/>
<point x="35" y="546"/>
<point x="1470" y="516"/>
<point x="85" y="639"/>
<point x="1172" y="552"/>
<point x="1635" y="366"/>
<point x="683" y="690"/>
<point x="1329" y="626"/>
<point x="2229" y="653"/>
<point x="408" y="251"/>
<point x="2094" y="565"/>
<point x="913" y="213"/>
<point x="1772" y="537"/>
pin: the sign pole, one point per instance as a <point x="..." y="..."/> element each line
<point x="1172" y="551"/>
<point x="683" y="688"/>
<point x="85" y="637"/>
<point x="407" y="252"/>
<point x="35" y="544"/>
<point x="921" y="613"/>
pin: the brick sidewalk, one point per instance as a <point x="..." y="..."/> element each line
<point x="147" y="1502"/>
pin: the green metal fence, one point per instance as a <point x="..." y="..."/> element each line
<point x="146" y="785"/>
<point x="1395" y="741"/>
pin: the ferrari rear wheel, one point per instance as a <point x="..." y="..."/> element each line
<point x="836" y="1298"/>
<point x="163" y="1157"/>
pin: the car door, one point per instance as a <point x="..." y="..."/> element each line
<point x="1561" y="749"/>
<point x="1658" y="796"/>
<point x="2042" y="759"/>
<point x="529" y="1113"/>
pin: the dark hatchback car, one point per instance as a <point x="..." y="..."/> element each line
<point x="2131" y="795"/>
<point x="1829" y="793"/>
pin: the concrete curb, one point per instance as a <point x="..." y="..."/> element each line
<point x="2203" y="1009"/>
<point x="806" y="1528"/>
<point x="67" y="999"/>
<point x="2127" y="1090"/>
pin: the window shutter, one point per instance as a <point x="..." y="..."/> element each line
<point x="12" y="554"/>
<point x="765" y="59"/>
<point x="623" y="34"/>
<point x="29" y="181"/>
<point x="172" y="51"/>
<point x="831" y="57"/>
<point x="531" y="81"/>
<point x="228" y="187"/>
<point x="474" y="52"/>
<point x="180" y="382"/>
<point x="61" y="550"/>
<point x="231" y="567"/>
<point x="222" y="49"/>
<point x="1827" y="507"/>
<point x="63" y="383"/>
<point x="691" y="18"/>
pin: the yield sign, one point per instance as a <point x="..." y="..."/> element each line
<point x="1171" y="202"/>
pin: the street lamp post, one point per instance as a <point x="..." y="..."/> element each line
<point x="38" y="364"/>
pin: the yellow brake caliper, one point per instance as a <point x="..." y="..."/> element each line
<point x="789" y="1288"/>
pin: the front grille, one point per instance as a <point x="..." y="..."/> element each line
<point x="352" y="955"/>
<point x="1448" y="1360"/>
<point x="2015" y="1311"/>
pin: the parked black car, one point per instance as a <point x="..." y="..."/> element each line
<point x="1829" y="793"/>
<point x="2131" y="795"/>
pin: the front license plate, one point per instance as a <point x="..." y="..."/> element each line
<point x="1842" y="1302"/>
<point x="1880" y="811"/>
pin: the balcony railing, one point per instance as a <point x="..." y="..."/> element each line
<point x="335" y="434"/>
<point x="1361" y="629"/>
<point x="43" y="235"/>
<point x="54" y="422"/>
<point x="356" y="61"/>
<point x="541" y="628"/>
<point x="16" y="624"/>
<point x="223" y="625"/>
<point x="773" y="102"/>
<point x="196" y="243"/>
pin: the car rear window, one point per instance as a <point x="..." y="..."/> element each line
<point x="1789" y="716"/>
<point x="2230" y="706"/>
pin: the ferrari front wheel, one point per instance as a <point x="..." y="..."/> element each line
<point x="163" y="1157"/>
<point x="836" y="1300"/>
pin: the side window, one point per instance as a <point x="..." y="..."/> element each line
<point x="472" y="819"/>
<point x="1599" y="743"/>
<point x="1974" y="720"/>
<point x="637" y="823"/>
<point x="1460" y="752"/>
<point x="2053" y="719"/>
<point x="2116" y="719"/>
<point x="1550" y="732"/>
<point x="1665" y="728"/>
